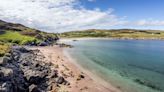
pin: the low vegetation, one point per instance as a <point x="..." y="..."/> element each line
<point x="122" y="33"/>
<point x="14" y="37"/>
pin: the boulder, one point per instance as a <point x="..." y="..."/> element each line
<point x="53" y="75"/>
<point x="8" y="54"/>
<point x="6" y="72"/>
<point x="43" y="44"/>
<point x="34" y="88"/>
<point x="23" y="50"/>
<point x="80" y="77"/>
<point x="35" y="80"/>
<point x="6" y="87"/>
<point x="60" y="80"/>
<point x="5" y="61"/>
<point x="22" y="89"/>
<point x="15" y="55"/>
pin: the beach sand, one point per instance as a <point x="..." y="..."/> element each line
<point x="71" y="72"/>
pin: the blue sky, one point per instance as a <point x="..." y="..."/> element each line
<point x="70" y="15"/>
<point x="133" y="9"/>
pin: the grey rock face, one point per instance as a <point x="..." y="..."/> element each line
<point x="24" y="70"/>
<point x="4" y="61"/>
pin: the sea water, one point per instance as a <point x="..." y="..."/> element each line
<point x="130" y="65"/>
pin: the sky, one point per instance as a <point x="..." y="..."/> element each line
<point x="71" y="15"/>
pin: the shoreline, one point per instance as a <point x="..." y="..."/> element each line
<point x="91" y="75"/>
<point x="103" y="38"/>
<point x="89" y="83"/>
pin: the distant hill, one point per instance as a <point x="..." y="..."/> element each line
<point x="119" y="34"/>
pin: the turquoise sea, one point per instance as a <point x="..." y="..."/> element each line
<point x="131" y="65"/>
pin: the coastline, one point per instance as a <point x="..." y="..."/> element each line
<point x="104" y="38"/>
<point x="69" y="67"/>
<point x="94" y="77"/>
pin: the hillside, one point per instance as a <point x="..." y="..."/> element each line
<point x="120" y="34"/>
<point x="18" y="34"/>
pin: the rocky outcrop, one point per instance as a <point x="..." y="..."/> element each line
<point x="65" y="45"/>
<point x="23" y="70"/>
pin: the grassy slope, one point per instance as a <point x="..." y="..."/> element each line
<point x="122" y="33"/>
<point x="11" y="33"/>
<point x="15" y="37"/>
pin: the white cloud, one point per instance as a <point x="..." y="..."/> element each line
<point x="149" y="23"/>
<point x="55" y="15"/>
<point x="60" y="15"/>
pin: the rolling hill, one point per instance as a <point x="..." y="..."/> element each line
<point x="119" y="34"/>
<point x="18" y="34"/>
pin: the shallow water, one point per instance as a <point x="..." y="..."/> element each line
<point x="131" y="65"/>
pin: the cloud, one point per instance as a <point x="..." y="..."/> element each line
<point x="149" y="23"/>
<point x="61" y="15"/>
<point x="55" y="15"/>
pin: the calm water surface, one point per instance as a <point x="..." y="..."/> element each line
<point x="131" y="65"/>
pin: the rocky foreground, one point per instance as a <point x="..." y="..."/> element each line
<point x="23" y="70"/>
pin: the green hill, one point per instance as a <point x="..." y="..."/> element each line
<point x="120" y="34"/>
<point x="18" y="34"/>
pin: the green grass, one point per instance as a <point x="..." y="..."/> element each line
<point x="15" y="37"/>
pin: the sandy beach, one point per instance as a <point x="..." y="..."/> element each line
<point x="80" y="80"/>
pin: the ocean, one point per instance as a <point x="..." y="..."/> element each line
<point x="130" y="65"/>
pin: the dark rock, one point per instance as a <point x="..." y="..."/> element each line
<point x="74" y="40"/>
<point x="5" y="61"/>
<point x="65" y="45"/>
<point x="49" y="88"/>
<point x="15" y="55"/>
<point x="60" y="80"/>
<point x="43" y="44"/>
<point x="22" y="89"/>
<point x="22" y="50"/>
<point x="35" y="80"/>
<point x="34" y="88"/>
<point x="25" y="64"/>
<point x="81" y="76"/>
<point x="6" y="87"/>
<point x="66" y="83"/>
<point x="24" y="70"/>
<point x="54" y="75"/>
